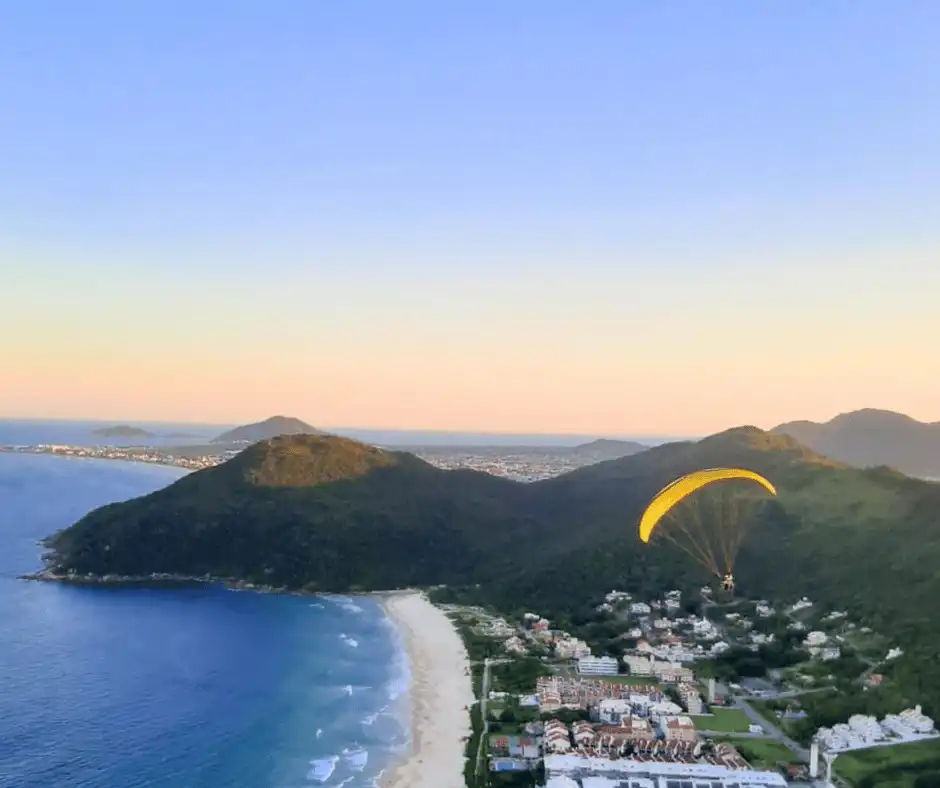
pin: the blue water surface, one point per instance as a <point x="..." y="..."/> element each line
<point x="204" y="687"/>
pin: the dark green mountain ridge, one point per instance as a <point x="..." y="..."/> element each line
<point x="331" y="514"/>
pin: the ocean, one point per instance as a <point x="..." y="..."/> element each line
<point x="189" y="688"/>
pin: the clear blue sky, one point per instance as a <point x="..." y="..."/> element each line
<point x="511" y="196"/>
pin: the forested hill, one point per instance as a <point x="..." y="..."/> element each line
<point x="328" y="513"/>
<point x="312" y="511"/>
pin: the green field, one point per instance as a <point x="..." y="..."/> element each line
<point x="723" y="720"/>
<point x="761" y="753"/>
<point x="896" y="766"/>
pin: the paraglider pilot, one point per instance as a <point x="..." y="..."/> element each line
<point x="727" y="582"/>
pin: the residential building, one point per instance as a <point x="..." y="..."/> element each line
<point x="690" y="698"/>
<point x="571" y="648"/>
<point x="583" y="734"/>
<point x="610" y="711"/>
<point x="672" y="672"/>
<point x="556" y="738"/>
<point x="638" y="665"/>
<point x="597" y="666"/>
<point x="629" y="730"/>
<point x="678" y="729"/>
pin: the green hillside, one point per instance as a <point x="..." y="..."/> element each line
<point x="304" y="511"/>
<point x="327" y="513"/>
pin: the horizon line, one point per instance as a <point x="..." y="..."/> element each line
<point x="636" y="436"/>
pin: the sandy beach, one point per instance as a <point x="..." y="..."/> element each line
<point x="439" y="692"/>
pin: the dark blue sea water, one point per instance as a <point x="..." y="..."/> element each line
<point x="203" y="688"/>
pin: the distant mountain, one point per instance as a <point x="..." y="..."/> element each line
<point x="606" y="449"/>
<point x="269" y="428"/>
<point x="870" y="437"/>
<point x="123" y="431"/>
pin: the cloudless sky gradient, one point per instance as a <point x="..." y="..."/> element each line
<point x="606" y="217"/>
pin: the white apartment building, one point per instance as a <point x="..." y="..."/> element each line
<point x="597" y="666"/>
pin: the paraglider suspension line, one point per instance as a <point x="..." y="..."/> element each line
<point x="697" y="551"/>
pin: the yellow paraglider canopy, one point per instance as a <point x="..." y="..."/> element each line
<point x="674" y="493"/>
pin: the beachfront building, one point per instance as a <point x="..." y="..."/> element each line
<point x="571" y="771"/>
<point x="597" y="666"/>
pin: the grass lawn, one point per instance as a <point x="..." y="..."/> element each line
<point x="723" y="721"/>
<point x="895" y="764"/>
<point x="763" y="752"/>
<point x="768" y="710"/>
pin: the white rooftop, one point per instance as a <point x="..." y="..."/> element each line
<point x="624" y="768"/>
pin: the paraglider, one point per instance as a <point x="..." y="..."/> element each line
<point x="712" y="540"/>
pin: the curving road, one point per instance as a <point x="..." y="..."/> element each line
<point x="773" y="731"/>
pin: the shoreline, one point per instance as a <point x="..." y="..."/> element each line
<point x="168" y="580"/>
<point x="440" y="693"/>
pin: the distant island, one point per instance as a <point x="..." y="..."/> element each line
<point x="269" y="428"/>
<point x="607" y="449"/>
<point x="180" y="435"/>
<point x="123" y="431"/>
<point x="871" y="437"/>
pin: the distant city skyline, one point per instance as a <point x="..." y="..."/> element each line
<point x="649" y="219"/>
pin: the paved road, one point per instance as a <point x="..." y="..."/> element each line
<point x="484" y="694"/>
<point x="773" y="731"/>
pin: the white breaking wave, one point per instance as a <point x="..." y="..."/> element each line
<point x="321" y="770"/>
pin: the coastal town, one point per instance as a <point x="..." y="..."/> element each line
<point x="662" y="713"/>
<point x="184" y="457"/>
<point x="526" y="464"/>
